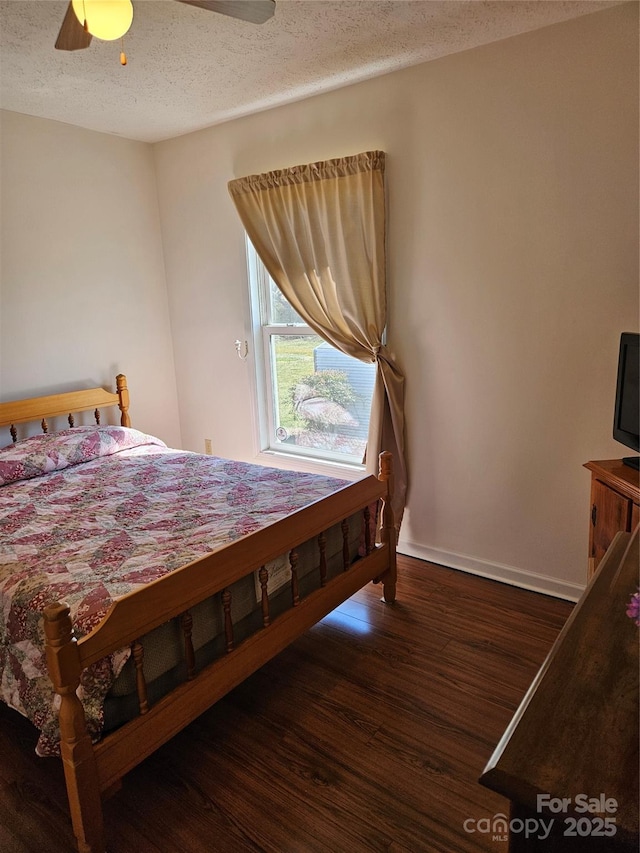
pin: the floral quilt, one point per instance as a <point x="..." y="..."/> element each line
<point x="91" y="513"/>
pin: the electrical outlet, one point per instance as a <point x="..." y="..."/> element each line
<point x="207" y="447"/>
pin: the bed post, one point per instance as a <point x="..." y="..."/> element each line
<point x="123" y="394"/>
<point x="81" y="775"/>
<point x="388" y="527"/>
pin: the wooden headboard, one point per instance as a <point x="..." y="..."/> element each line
<point x="67" y="404"/>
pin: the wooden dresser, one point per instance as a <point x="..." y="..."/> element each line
<point x="615" y="505"/>
<point x="570" y="754"/>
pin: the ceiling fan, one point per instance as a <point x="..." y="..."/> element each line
<point x="75" y="33"/>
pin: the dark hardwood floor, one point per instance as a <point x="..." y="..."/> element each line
<point x="368" y="734"/>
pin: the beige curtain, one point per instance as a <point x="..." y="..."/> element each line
<point x="319" y="229"/>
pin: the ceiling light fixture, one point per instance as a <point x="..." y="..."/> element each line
<point x="105" y="19"/>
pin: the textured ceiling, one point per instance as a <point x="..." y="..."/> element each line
<point x="189" y="68"/>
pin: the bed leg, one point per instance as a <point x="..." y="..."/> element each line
<point x="81" y="774"/>
<point x="388" y="528"/>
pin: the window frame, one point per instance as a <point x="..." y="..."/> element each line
<point x="262" y="380"/>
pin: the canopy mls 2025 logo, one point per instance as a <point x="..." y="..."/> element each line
<point x="580" y="816"/>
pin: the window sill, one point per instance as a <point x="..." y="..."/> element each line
<point x="344" y="471"/>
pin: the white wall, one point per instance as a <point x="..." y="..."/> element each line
<point x="513" y="268"/>
<point x="82" y="290"/>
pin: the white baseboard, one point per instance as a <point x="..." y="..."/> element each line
<point x="496" y="571"/>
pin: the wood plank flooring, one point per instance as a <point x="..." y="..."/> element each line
<point x="368" y="734"/>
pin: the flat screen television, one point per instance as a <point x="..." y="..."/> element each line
<point x="626" y="418"/>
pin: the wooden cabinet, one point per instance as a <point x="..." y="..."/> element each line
<point x="615" y="505"/>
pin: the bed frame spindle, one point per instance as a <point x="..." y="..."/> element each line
<point x="189" y="653"/>
<point x="96" y="415"/>
<point x="14" y="433"/>
<point x="44" y="425"/>
<point x="367" y="530"/>
<point x="346" y="556"/>
<point x="228" y="624"/>
<point x="322" y="545"/>
<point x="263" y="576"/>
<point x="141" y="685"/>
<point x="293" y="565"/>
<point x="71" y="421"/>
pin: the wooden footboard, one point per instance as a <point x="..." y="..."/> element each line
<point x="90" y="770"/>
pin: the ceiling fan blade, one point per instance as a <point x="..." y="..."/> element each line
<point x="72" y="35"/>
<point x="254" y="11"/>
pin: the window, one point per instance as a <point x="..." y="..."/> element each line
<point x="313" y="400"/>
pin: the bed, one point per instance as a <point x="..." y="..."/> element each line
<point x="146" y="619"/>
